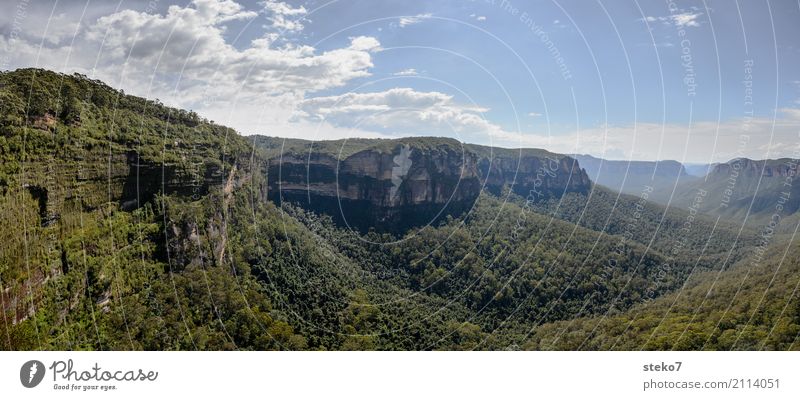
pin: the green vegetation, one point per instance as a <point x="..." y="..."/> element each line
<point x="343" y="148"/>
<point x="751" y="307"/>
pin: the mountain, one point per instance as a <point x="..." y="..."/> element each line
<point x="398" y="184"/>
<point x="632" y="176"/>
<point x="141" y="226"/>
<point x="116" y="203"/>
<point x="744" y="190"/>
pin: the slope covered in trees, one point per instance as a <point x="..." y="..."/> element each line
<point x="752" y="306"/>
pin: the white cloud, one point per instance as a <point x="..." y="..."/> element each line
<point x="415" y="19"/>
<point x="681" y="20"/>
<point x="365" y="43"/>
<point x="182" y="57"/>
<point x="398" y="111"/>
<point x="263" y="87"/>
<point x="284" y="17"/>
<point x="686" y="19"/>
<point x="190" y="40"/>
<point x="406" y="72"/>
<point x="224" y="10"/>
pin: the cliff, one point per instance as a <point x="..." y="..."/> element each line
<point x="745" y="167"/>
<point x="391" y="185"/>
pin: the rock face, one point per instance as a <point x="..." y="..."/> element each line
<point x="145" y="179"/>
<point x="125" y="179"/>
<point x="746" y="167"/>
<point x="401" y="184"/>
<point x="540" y="176"/>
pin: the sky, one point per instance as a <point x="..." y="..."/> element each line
<point x="694" y="81"/>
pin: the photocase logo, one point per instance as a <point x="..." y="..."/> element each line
<point x="31" y="373"/>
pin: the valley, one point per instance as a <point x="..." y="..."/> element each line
<point x="137" y="226"/>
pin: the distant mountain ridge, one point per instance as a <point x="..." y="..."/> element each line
<point x="745" y="190"/>
<point x="739" y="190"/>
<point x="633" y="176"/>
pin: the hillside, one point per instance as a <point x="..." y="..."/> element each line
<point x="752" y="306"/>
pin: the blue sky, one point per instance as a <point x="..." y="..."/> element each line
<point x="617" y="79"/>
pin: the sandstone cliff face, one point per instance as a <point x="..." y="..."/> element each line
<point x="124" y="179"/>
<point x="145" y="179"/>
<point x="745" y="167"/>
<point x="410" y="185"/>
<point x="539" y="177"/>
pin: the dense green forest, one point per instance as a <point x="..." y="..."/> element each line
<point x="130" y="225"/>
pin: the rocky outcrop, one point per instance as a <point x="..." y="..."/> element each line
<point x="94" y="179"/>
<point x="145" y="179"/>
<point x="403" y="184"/>
<point x="541" y="176"/>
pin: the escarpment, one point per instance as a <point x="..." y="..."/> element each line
<point x="397" y="184"/>
<point x="145" y="179"/>
<point x="746" y="167"/>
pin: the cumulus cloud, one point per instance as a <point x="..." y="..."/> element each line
<point x="190" y="40"/>
<point x="183" y="58"/>
<point x="224" y="10"/>
<point x="398" y="111"/>
<point x="284" y="17"/>
<point x="365" y="43"/>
